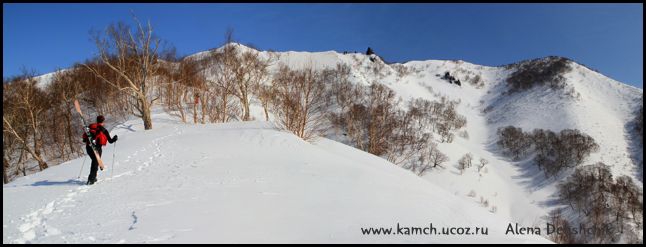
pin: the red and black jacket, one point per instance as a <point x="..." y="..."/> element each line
<point x="99" y="133"/>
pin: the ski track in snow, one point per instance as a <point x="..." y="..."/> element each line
<point x="35" y="225"/>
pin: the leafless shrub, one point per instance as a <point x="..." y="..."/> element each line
<point x="545" y="71"/>
<point x="299" y="104"/>
<point x="554" y="152"/>
<point x="464" y="134"/>
<point x="484" y="202"/>
<point x="341" y="92"/>
<point x="373" y="120"/>
<point x="603" y="202"/>
<point x="465" y="162"/>
<point x="476" y="81"/>
<point x="566" y="150"/>
<point x="483" y="163"/>
<point x="436" y="157"/>
<point x="514" y="141"/>
<point x="564" y="233"/>
<point x="402" y="70"/>
<point x="639" y="122"/>
<point x="472" y="193"/>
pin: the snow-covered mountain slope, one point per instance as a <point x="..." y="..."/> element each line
<point x="596" y="105"/>
<point x="601" y="108"/>
<point x="234" y="183"/>
<point x="590" y="102"/>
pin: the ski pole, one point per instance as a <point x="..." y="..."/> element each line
<point x="83" y="165"/>
<point x="114" y="151"/>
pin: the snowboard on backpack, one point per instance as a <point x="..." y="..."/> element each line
<point x="89" y="135"/>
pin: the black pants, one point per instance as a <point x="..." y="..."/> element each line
<point x="94" y="168"/>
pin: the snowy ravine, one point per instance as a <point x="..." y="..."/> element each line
<point x="234" y="183"/>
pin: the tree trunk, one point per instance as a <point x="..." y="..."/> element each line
<point x="195" y="113"/>
<point x="5" y="164"/>
<point x="180" y="104"/>
<point x="69" y="132"/>
<point x="23" y="169"/>
<point x="202" y="99"/>
<point x="20" y="161"/>
<point x="42" y="165"/>
<point x="181" y="111"/>
<point x="195" y="102"/>
<point x="148" y="122"/>
<point x="246" y="116"/>
<point x="145" y="111"/>
<point x="62" y="150"/>
<point x="224" y="107"/>
<point x="266" y="112"/>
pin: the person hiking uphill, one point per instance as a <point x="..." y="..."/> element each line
<point x="100" y="136"/>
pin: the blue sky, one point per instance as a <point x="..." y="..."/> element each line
<point x="606" y="37"/>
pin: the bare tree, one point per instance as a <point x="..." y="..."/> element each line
<point x="445" y="119"/>
<point x="249" y="74"/>
<point x="300" y="101"/>
<point x="469" y="158"/>
<point x="342" y="90"/>
<point x="603" y="202"/>
<point x="382" y="110"/>
<point x="11" y="148"/>
<point x="554" y="152"/>
<point x="64" y="89"/>
<point x="411" y="135"/>
<point x="266" y="95"/>
<point x="35" y="153"/>
<point x="197" y="84"/>
<point x="514" y="141"/>
<point x="353" y="116"/>
<point x="544" y="71"/>
<point x="237" y="72"/>
<point x="465" y="162"/>
<point x="372" y="118"/>
<point x="223" y="65"/>
<point x="184" y="89"/>
<point x="135" y="58"/>
<point x="373" y="121"/>
<point x="100" y="95"/>
<point x="435" y="156"/>
<point x="26" y="102"/>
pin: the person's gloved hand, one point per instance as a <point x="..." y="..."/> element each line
<point x="115" y="138"/>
